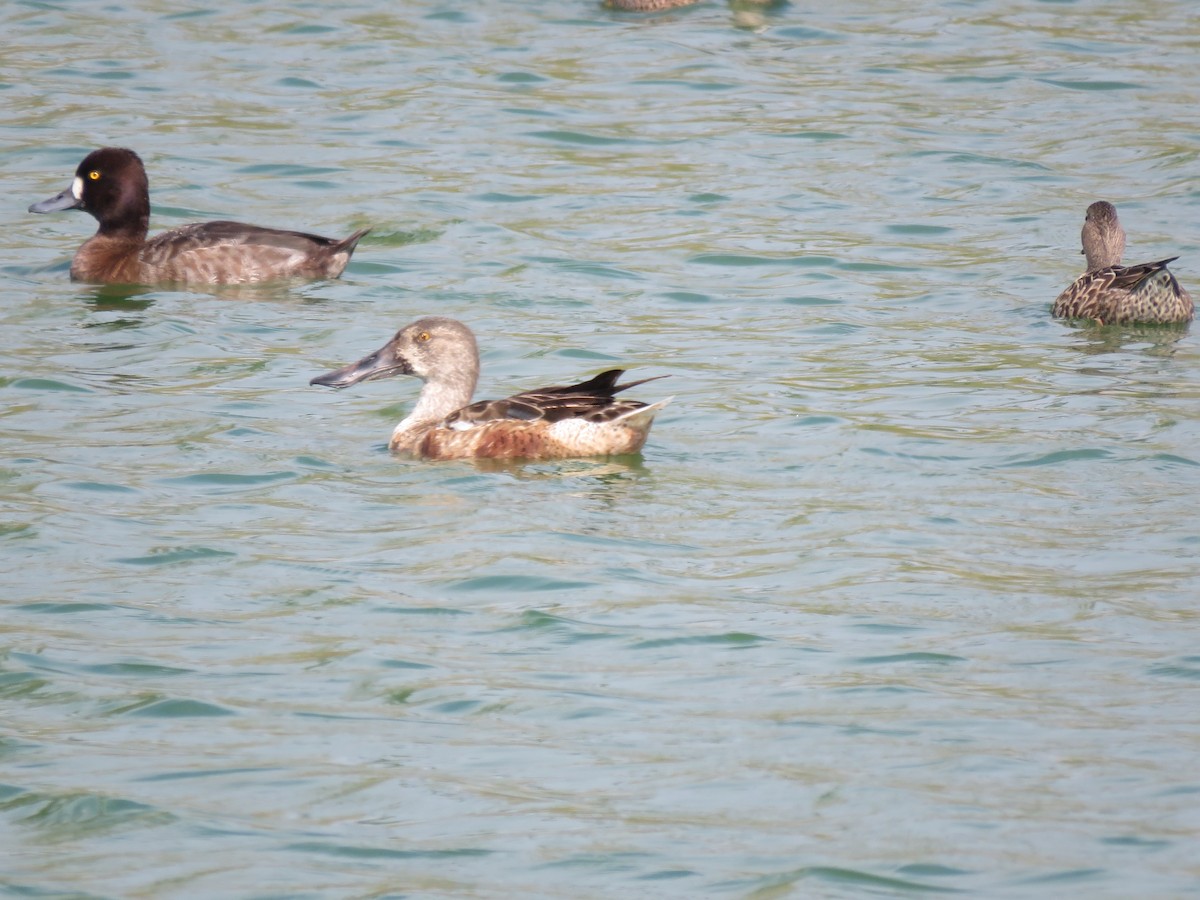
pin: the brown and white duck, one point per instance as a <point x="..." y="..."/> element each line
<point x="111" y="184"/>
<point x="561" y="422"/>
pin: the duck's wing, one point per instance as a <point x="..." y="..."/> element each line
<point x="221" y="233"/>
<point x="211" y="251"/>
<point x="592" y="400"/>
<point x="1131" y="278"/>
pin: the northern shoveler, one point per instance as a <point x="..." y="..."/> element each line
<point x="577" y="420"/>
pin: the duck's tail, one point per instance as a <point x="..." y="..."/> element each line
<point x="347" y="245"/>
<point x="642" y="418"/>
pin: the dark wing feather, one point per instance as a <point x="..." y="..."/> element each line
<point x="1130" y="278"/>
<point x="592" y="400"/>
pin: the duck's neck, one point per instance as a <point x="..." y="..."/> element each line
<point x="437" y="400"/>
<point x="130" y="218"/>
<point x="1103" y="251"/>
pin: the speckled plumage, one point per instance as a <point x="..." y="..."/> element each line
<point x="1111" y="293"/>
<point x="558" y="422"/>
<point x="111" y="184"/>
<point x="646" y="5"/>
<point x="660" y="5"/>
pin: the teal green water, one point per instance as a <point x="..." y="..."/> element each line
<point x="900" y="599"/>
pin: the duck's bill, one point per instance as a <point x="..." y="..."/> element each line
<point x="65" y="200"/>
<point x="382" y="363"/>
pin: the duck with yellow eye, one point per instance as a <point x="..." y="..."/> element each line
<point x="562" y="422"/>
<point x="111" y="184"/>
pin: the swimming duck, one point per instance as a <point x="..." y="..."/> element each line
<point x="111" y="184"/>
<point x="660" y="5"/>
<point x="646" y="5"/>
<point x="1110" y="292"/>
<point x="575" y="420"/>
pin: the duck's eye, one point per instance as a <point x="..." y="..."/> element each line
<point x="423" y="336"/>
<point x="94" y="175"/>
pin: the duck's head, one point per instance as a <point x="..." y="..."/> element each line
<point x="434" y="348"/>
<point x="110" y="184"/>
<point x="1102" y="236"/>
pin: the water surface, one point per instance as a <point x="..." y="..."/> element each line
<point x="900" y="598"/>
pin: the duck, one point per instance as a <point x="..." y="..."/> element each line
<point x="111" y="184"/>
<point x="561" y="422"/>
<point x="1110" y="293"/>
<point x="661" y="5"/>
<point x="646" y="5"/>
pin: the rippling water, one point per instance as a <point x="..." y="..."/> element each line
<point x="899" y="599"/>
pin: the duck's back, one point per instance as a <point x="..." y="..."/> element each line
<point x="214" y="253"/>
<point x="1146" y="293"/>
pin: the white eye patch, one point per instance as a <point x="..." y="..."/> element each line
<point x="77" y="188"/>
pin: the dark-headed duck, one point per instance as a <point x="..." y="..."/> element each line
<point x="1112" y="293"/>
<point x="111" y="184"/>
<point x="565" y="422"/>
